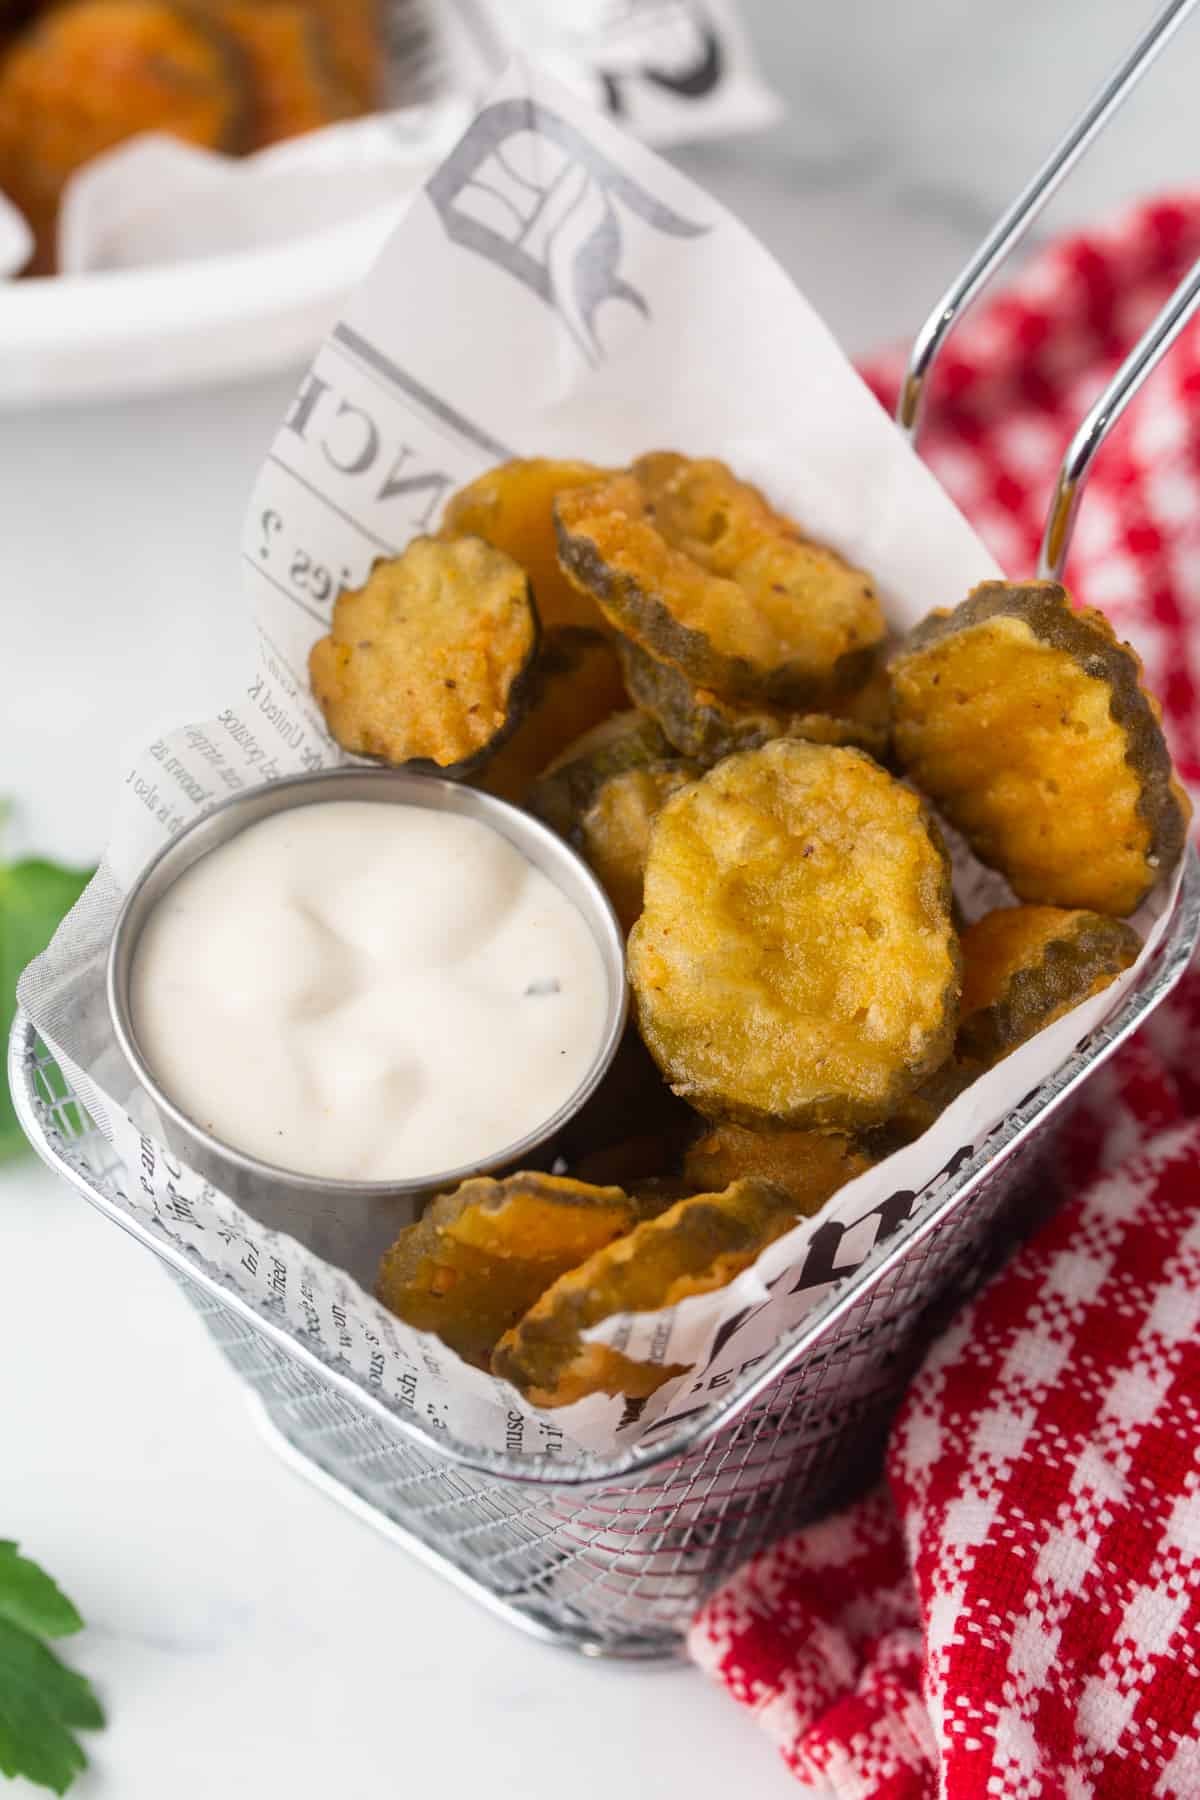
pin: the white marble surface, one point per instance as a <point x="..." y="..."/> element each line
<point x="248" y="1639"/>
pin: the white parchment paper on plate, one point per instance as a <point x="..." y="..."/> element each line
<point x="555" y="289"/>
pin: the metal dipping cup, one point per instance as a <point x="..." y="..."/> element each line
<point x="353" y="1222"/>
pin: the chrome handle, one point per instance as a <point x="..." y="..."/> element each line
<point x="1145" y="356"/>
<point x="1012" y="227"/>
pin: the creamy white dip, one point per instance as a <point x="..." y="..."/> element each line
<point x="369" y="992"/>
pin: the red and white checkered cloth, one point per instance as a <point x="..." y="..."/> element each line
<point x="1016" y="1611"/>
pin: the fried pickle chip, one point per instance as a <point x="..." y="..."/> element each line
<point x="1025" y="966"/>
<point x="808" y="1165"/>
<point x="90" y="75"/>
<point x="482" y="1255"/>
<point x="293" y="84"/>
<point x="704" y="727"/>
<point x="695" y="566"/>
<point x="512" y="507"/>
<point x="695" y="1246"/>
<point x="563" y="794"/>
<point x="429" y="661"/>
<point x="795" y="962"/>
<point x="614" y="833"/>
<point x="576" y="684"/>
<point x="1027" y="725"/>
<point x="603" y="796"/>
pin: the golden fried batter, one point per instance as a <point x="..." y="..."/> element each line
<point x="429" y="661"/>
<point x="1027" y="725"/>
<point x="808" y="1165"/>
<point x="512" y="507"/>
<point x="1025" y="966"/>
<point x="696" y="567"/>
<point x="703" y="726"/>
<point x="795" y="961"/>
<point x="695" y="1246"/>
<point x="293" y="84"/>
<point x="614" y="833"/>
<point x="88" y="76"/>
<point x="482" y="1255"/>
<point x="576" y="685"/>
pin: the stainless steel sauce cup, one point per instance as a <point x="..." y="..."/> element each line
<point x="352" y="1222"/>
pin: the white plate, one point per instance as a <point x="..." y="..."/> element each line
<point x="122" y="332"/>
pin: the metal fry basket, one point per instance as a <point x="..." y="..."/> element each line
<point x="610" y="1555"/>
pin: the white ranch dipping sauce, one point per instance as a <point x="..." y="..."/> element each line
<point x="367" y="991"/>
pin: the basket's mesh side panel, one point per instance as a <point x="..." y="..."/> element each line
<point x="76" y="1137"/>
<point x="621" y="1565"/>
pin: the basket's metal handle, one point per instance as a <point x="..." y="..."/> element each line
<point x="1146" y="354"/>
<point x="1013" y="225"/>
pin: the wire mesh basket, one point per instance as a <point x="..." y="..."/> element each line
<point x="611" y="1555"/>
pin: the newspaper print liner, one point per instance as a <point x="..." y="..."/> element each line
<point x="555" y="290"/>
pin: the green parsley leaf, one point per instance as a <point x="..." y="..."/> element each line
<point x="34" y="897"/>
<point x="29" y="1598"/>
<point x="42" y="1701"/>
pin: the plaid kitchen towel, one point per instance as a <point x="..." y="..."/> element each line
<point x="1016" y="1611"/>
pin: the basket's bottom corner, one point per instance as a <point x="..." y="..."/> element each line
<point x="663" y="1648"/>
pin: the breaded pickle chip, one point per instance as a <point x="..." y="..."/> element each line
<point x="568" y="787"/>
<point x="512" y="507"/>
<point x="481" y="1256"/>
<point x="88" y="76"/>
<point x="293" y="85"/>
<point x="614" y="833"/>
<point x="696" y="567"/>
<point x="1025" y="966"/>
<point x="429" y="661"/>
<point x="576" y="684"/>
<point x="695" y="1246"/>
<point x="1027" y="725"/>
<point x="808" y="1165"/>
<point x="703" y="726"/>
<point x="604" y="794"/>
<point x="795" y="962"/>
